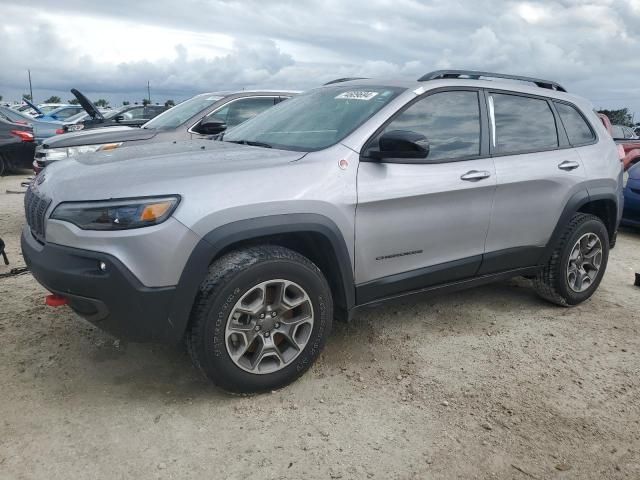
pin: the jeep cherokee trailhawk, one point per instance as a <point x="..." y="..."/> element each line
<point x="343" y="197"/>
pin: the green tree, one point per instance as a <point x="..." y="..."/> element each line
<point x="26" y="96"/>
<point x="168" y="103"/>
<point x="145" y="102"/>
<point x="73" y="101"/>
<point x="126" y="102"/>
<point x="619" y="117"/>
<point x="53" y="99"/>
<point x="101" y="102"/>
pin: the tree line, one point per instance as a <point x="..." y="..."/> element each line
<point x="101" y="102"/>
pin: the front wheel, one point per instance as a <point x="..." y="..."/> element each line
<point x="261" y="319"/>
<point x="577" y="264"/>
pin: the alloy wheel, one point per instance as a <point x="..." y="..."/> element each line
<point x="269" y="326"/>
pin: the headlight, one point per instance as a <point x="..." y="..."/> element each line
<point x="117" y="214"/>
<point x="62" y="153"/>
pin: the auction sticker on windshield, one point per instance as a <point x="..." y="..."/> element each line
<point x="357" y="95"/>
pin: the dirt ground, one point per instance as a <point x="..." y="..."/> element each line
<point x="487" y="383"/>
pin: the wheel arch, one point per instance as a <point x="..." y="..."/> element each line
<point x="603" y="205"/>
<point x="315" y="236"/>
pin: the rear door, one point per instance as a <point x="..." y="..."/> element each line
<point x="421" y="224"/>
<point x="537" y="172"/>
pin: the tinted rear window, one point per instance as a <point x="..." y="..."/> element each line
<point x="575" y="125"/>
<point x="523" y="124"/>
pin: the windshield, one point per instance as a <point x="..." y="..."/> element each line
<point x="176" y="116"/>
<point x="314" y="120"/>
<point x="77" y="117"/>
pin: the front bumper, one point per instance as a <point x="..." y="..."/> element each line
<point x="114" y="299"/>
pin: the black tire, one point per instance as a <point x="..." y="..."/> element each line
<point x="232" y="276"/>
<point x="552" y="282"/>
<point x="4" y="168"/>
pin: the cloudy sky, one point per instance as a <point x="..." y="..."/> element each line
<point x="112" y="48"/>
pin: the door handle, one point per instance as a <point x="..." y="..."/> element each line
<point x="568" y="165"/>
<point x="475" y="175"/>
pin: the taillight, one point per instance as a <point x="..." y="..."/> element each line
<point x="621" y="153"/>
<point x="24" y="136"/>
<point x="59" y="131"/>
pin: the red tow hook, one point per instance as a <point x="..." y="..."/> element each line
<point x="54" y="300"/>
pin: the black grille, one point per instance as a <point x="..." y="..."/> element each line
<point x="35" y="207"/>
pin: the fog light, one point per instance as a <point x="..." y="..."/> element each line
<point x="103" y="267"/>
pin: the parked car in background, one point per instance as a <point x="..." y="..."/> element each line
<point x="46" y="108"/>
<point x="202" y="116"/>
<point x="44" y="130"/>
<point x="130" y="115"/>
<point x="24" y="108"/>
<point x="622" y="132"/>
<point x="630" y="153"/>
<point x="61" y="114"/>
<point x="631" y="214"/>
<point x="340" y="199"/>
<point x="41" y="129"/>
<point x="15" y="116"/>
<point x="16" y="146"/>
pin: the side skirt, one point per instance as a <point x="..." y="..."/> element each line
<point x="449" y="287"/>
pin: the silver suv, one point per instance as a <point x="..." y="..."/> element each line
<point x="341" y="198"/>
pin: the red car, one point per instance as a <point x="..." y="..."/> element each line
<point x="630" y="146"/>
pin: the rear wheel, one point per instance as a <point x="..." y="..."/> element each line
<point x="3" y="166"/>
<point x="577" y="264"/>
<point x="261" y="319"/>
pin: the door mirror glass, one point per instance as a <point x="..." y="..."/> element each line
<point x="401" y="144"/>
<point x="212" y="127"/>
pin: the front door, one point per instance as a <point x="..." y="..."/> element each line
<point x="421" y="224"/>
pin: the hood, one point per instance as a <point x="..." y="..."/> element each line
<point x="87" y="104"/>
<point x="33" y="106"/>
<point x="157" y="168"/>
<point x="634" y="172"/>
<point x="98" y="136"/>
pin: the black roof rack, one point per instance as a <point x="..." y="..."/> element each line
<point x="346" y="79"/>
<point x="475" y="75"/>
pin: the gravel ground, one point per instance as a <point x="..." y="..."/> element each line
<point x="486" y="383"/>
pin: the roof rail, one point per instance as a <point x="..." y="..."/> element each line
<point x="475" y="75"/>
<point x="346" y="79"/>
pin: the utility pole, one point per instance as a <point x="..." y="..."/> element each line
<point x="30" y="87"/>
<point x="149" y="92"/>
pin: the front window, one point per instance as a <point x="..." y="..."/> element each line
<point x="449" y="120"/>
<point x="314" y="120"/>
<point x="176" y="116"/>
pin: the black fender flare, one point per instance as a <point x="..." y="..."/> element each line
<point x="210" y="246"/>
<point x="573" y="205"/>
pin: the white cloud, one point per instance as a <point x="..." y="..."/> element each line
<point x="112" y="48"/>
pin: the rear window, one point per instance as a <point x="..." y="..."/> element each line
<point x="523" y="124"/>
<point x="575" y="125"/>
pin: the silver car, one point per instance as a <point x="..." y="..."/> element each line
<point x="201" y="116"/>
<point x="344" y="197"/>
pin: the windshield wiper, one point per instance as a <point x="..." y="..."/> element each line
<point x="250" y="143"/>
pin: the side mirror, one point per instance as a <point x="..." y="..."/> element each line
<point x="401" y="144"/>
<point x="212" y="127"/>
<point x="119" y="118"/>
